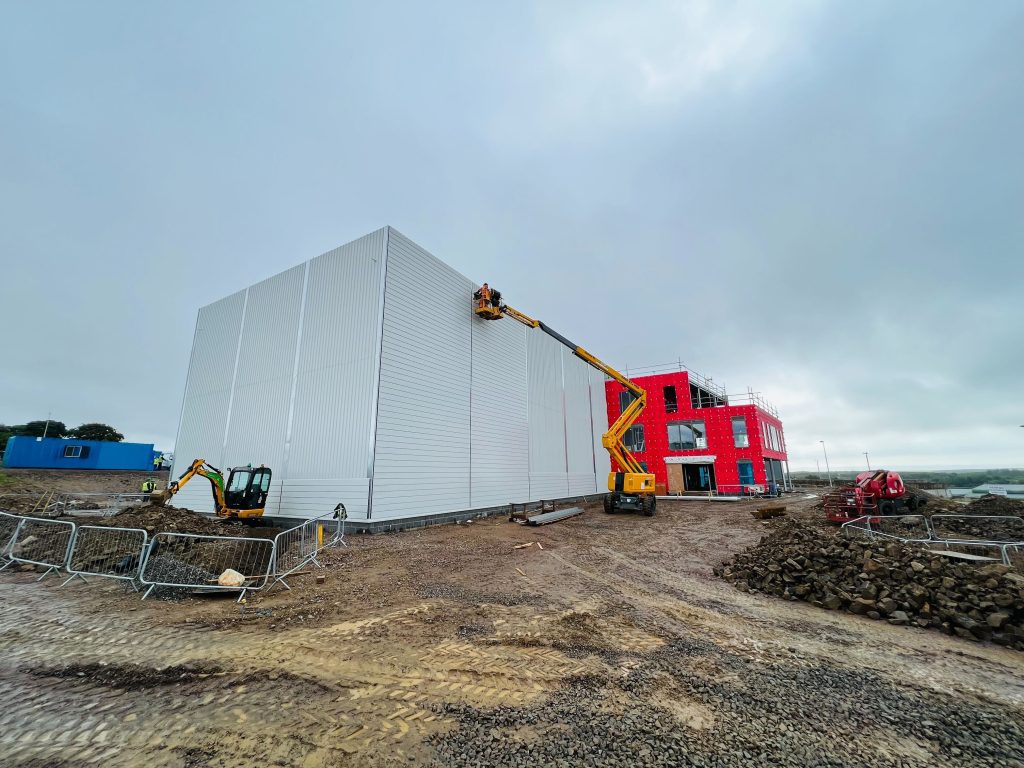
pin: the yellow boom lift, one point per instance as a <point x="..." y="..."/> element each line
<point x="631" y="487"/>
<point x="244" y="495"/>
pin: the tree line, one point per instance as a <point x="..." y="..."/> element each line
<point x="91" y="431"/>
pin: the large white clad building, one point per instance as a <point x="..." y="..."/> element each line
<point x="362" y="376"/>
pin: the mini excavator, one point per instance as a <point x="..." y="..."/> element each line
<point x="630" y="486"/>
<point x="243" y="495"/>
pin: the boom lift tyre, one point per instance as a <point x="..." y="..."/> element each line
<point x="631" y="487"/>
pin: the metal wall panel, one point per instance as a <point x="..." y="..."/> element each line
<point x="207" y="394"/>
<point x="258" y="416"/>
<point x="364" y="371"/>
<point x="548" y="477"/>
<point x="422" y="455"/>
<point x="335" y="387"/>
<point x="579" y="434"/>
<point x="500" y="471"/>
<point x="599" y="415"/>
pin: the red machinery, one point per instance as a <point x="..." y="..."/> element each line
<point x="876" y="492"/>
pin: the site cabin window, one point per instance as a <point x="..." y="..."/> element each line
<point x="625" y="398"/>
<point x="746" y="472"/>
<point x="633" y="440"/>
<point x="671" y="404"/>
<point x="72" y="451"/>
<point x="687" y="435"/>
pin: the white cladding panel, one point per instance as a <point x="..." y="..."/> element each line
<point x="258" y="417"/>
<point x="422" y="455"/>
<point x="599" y="411"/>
<point x="204" y="410"/>
<point x="500" y="470"/>
<point x="337" y="372"/>
<point x="548" y="476"/>
<point x="579" y="434"/>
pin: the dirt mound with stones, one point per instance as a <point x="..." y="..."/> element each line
<point x="156" y="519"/>
<point x="902" y="584"/>
<point x="991" y="504"/>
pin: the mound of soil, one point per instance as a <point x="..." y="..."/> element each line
<point x="996" y="505"/>
<point x="154" y="519"/>
<point x="900" y="583"/>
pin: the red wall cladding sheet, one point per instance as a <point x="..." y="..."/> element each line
<point x="718" y="425"/>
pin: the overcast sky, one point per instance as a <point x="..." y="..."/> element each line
<point x="822" y="201"/>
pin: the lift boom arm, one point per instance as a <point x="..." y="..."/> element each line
<point x="612" y="439"/>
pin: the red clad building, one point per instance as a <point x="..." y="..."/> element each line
<point x="696" y="438"/>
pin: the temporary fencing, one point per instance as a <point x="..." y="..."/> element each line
<point x="1000" y="535"/>
<point x="1004" y="529"/>
<point x="112" y="553"/>
<point x="38" y="541"/>
<point x="8" y="528"/>
<point x="299" y="546"/>
<point x="196" y="562"/>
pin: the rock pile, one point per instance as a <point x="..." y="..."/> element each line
<point x="902" y="584"/>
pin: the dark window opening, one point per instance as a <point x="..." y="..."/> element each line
<point x="625" y="398"/>
<point x="633" y="440"/>
<point x="671" y="404"/>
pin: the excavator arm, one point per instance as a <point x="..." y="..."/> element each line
<point x="633" y="479"/>
<point x="197" y="467"/>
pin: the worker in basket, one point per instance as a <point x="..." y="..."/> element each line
<point x="483" y="296"/>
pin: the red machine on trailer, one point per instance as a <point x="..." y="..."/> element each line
<point x="878" y="492"/>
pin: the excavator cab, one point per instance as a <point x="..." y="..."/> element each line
<point x="245" y="494"/>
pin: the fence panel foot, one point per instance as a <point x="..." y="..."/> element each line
<point x="72" y="578"/>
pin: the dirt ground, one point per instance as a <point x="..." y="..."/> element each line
<point x="21" y="489"/>
<point x="608" y="641"/>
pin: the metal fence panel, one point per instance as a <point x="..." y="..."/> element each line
<point x="42" y="542"/>
<point x="299" y="546"/>
<point x="113" y="553"/>
<point x="1013" y="556"/>
<point x="1001" y="529"/>
<point x="8" y="528"/>
<point x="193" y="561"/>
<point x="912" y="528"/>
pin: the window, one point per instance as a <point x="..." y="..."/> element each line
<point x="671" y="404"/>
<point x="625" y="398"/>
<point x="746" y="472"/>
<point x="739" y="432"/>
<point x="72" y="451"/>
<point x="686" y="435"/>
<point x="633" y="440"/>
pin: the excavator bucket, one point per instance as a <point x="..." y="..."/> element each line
<point x="158" y="498"/>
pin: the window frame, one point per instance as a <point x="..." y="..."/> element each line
<point x="634" y="447"/>
<point x="77" y="448"/>
<point x="689" y="424"/>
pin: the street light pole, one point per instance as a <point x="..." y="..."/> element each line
<point x="867" y="460"/>
<point x="827" y="468"/>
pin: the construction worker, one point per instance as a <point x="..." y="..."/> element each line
<point x="149" y="485"/>
<point x="158" y="462"/>
<point x="483" y="296"/>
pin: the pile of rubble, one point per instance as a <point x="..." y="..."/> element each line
<point x="884" y="580"/>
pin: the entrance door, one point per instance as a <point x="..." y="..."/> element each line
<point x="675" y="478"/>
<point x="699" y="477"/>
